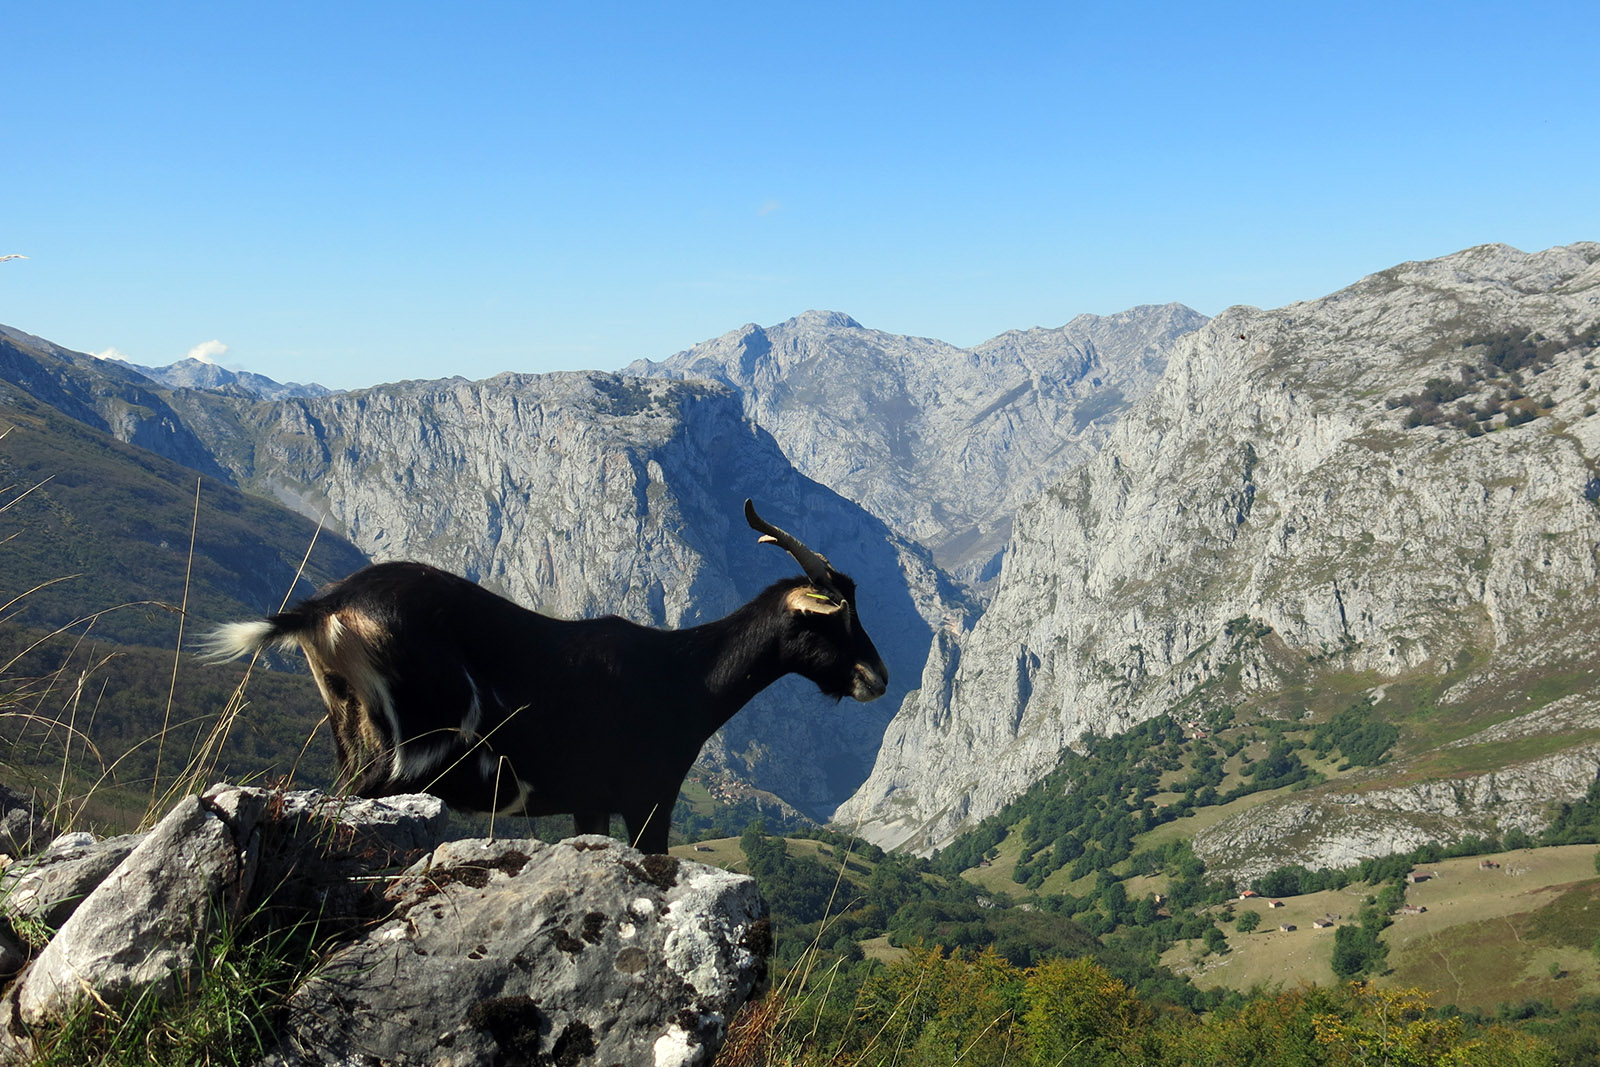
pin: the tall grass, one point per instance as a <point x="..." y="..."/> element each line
<point x="57" y="686"/>
<point x="809" y="1018"/>
<point x="250" y="966"/>
<point x="227" y="1018"/>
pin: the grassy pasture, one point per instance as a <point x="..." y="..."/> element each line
<point x="1523" y="931"/>
<point x="1270" y="957"/>
<point x="996" y="878"/>
<point x="721" y="852"/>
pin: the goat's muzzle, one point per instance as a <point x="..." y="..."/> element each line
<point x="869" y="682"/>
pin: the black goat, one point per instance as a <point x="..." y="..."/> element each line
<point x="434" y="684"/>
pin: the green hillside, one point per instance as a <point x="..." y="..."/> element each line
<point x="98" y="586"/>
<point x="89" y="524"/>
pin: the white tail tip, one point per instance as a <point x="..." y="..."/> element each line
<point x="236" y="640"/>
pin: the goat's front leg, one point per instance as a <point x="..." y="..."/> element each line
<point x="647" y="831"/>
<point x="591" y="822"/>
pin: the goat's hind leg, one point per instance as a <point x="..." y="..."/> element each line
<point x="372" y="778"/>
<point x="472" y="779"/>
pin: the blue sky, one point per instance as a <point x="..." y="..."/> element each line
<point x="353" y="193"/>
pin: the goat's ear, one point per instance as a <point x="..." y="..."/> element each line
<point x="808" y="600"/>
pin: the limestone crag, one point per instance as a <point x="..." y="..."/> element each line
<point x="526" y="952"/>
<point x="1276" y="516"/>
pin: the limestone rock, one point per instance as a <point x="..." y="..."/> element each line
<point x="316" y="854"/>
<point x="49" y="886"/>
<point x="141" y="928"/>
<point x="524" y="952"/>
<point x="146" y="924"/>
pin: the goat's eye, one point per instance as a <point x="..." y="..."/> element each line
<point x="825" y="598"/>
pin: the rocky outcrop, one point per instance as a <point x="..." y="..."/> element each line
<point x="527" y="952"/>
<point x="1338" y="829"/>
<point x="137" y="916"/>
<point x="475" y="952"/>
<point x="48" y="887"/>
<point x="1277" y="519"/>
<point x="942" y="443"/>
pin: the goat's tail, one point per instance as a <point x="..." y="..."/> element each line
<point x="239" y="639"/>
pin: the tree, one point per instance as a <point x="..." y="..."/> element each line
<point x="1248" y="921"/>
<point x="1390" y="1026"/>
<point x="1076" y="1012"/>
<point x="1356" y="949"/>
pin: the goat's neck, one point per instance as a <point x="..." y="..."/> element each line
<point x="736" y="657"/>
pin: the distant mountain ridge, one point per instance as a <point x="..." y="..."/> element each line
<point x="199" y="374"/>
<point x="943" y="443"/>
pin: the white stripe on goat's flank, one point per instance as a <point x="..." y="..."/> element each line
<point x="474" y="716"/>
<point x="417" y="759"/>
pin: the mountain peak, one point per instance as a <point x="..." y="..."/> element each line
<point x="823" y="320"/>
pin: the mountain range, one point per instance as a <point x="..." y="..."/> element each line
<point x="943" y="442"/>
<point x="1383" y="497"/>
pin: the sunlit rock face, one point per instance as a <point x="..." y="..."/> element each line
<point x="1276" y="517"/>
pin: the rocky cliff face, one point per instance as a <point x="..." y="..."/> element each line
<point x="1314" y="499"/>
<point x="943" y="443"/>
<point x="587" y="494"/>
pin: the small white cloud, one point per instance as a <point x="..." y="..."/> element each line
<point x="769" y="207"/>
<point x="112" y="353"/>
<point x="209" y="352"/>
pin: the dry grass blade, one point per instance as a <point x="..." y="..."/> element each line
<point x="177" y="651"/>
<point x="207" y="752"/>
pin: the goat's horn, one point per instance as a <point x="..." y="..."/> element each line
<point x="815" y="564"/>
